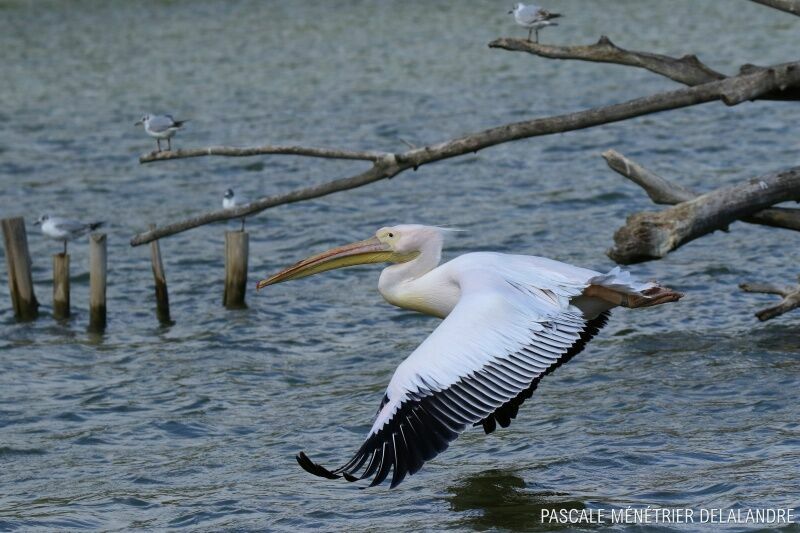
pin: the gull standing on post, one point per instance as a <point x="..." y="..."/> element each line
<point x="231" y="200"/>
<point x="509" y="320"/>
<point x="533" y="17"/>
<point x="161" y="127"/>
<point x="62" y="229"/>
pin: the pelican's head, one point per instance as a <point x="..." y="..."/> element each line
<point x="228" y="194"/>
<point x="395" y="244"/>
<point x="143" y="120"/>
<point x="42" y="219"/>
<point x="516" y="8"/>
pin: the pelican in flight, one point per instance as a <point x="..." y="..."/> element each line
<point x="509" y="320"/>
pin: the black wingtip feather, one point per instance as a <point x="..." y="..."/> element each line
<point x="508" y="411"/>
<point x="313" y="468"/>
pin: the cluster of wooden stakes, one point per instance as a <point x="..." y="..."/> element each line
<point x="26" y="306"/>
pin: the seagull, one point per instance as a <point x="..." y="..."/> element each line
<point x="533" y="17"/>
<point x="161" y="127"/>
<point x="509" y="320"/>
<point x="230" y="200"/>
<point x="62" y="229"/>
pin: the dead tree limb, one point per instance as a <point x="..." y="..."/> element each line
<point x="663" y="191"/>
<point x="230" y="151"/>
<point x="790" y="6"/>
<point x="649" y="235"/>
<point x="732" y="91"/>
<point x="688" y="69"/>
<point x="790" y="298"/>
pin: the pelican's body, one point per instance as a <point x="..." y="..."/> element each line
<point x="508" y="321"/>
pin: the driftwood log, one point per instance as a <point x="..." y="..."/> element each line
<point x="652" y="235"/>
<point x="688" y="69"/>
<point x="790" y="298"/>
<point x="732" y="91"/>
<point x="790" y="6"/>
<point x="230" y="151"/>
<point x="665" y="192"/>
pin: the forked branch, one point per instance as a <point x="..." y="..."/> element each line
<point x="688" y="69"/>
<point x="790" y="298"/>
<point x="652" y="235"/>
<point x="663" y="191"/>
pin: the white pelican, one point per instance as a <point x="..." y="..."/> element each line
<point x="533" y="17"/>
<point x="509" y="320"/>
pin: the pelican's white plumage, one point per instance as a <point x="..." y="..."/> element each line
<point x="508" y="321"/>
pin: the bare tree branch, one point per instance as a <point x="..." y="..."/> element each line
<point x="790" y="298"/>
<point x="732" y="91"/>
<point x="230" y="151"/>
<point x="688" y="69"/>
<point x="649" y="235"/>
<point x="663" y="191"/>
<point x="790" y="6"/>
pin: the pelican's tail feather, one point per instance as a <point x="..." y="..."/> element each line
<point x="619" y="287"/>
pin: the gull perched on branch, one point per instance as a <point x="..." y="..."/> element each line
<point x="533" y="17"/>
<point x="230" y="200"/>
<point x="62" y="229"/>
<point x="509" y="320"/>
<point x="161" y="127"/>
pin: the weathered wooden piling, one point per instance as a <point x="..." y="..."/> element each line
<point x="98" y="263"/>
<point x="61" y="286"/>
<point x="237" y="248"/>
<point x="162" y="295"/>
<point x="18" y="263"/>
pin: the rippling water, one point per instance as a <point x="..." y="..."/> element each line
<point x="196" y="424"/>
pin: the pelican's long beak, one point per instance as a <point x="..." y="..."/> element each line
<point x="138" y="123"/>
<point x="358" y="253"/>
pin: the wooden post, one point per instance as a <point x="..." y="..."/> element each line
<point x="18" y="262"/>
<point x="98" y="262"/>
<point x="237" y="247"/>
<point x="162" y="295"/>
<point x="61" y="286"/>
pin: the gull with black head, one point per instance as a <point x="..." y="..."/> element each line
<point x="230" y="200"/>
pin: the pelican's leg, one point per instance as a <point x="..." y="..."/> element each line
<point x="530" y="30"/>
<point x="65" y="247"/>
<point x="158" y="142"/>
<point x="169" y="144"/>
<point x="537" y="36"/>
<point x="242" y="224"/>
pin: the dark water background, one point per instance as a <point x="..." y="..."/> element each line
<point x="196" y="425"/>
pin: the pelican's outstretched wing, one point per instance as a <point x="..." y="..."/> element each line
<point x="478" y="366"/>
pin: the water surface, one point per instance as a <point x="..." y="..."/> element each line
<point x="196" y="425"/>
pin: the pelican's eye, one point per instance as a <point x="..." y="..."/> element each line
<point x="391" y="235"/>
